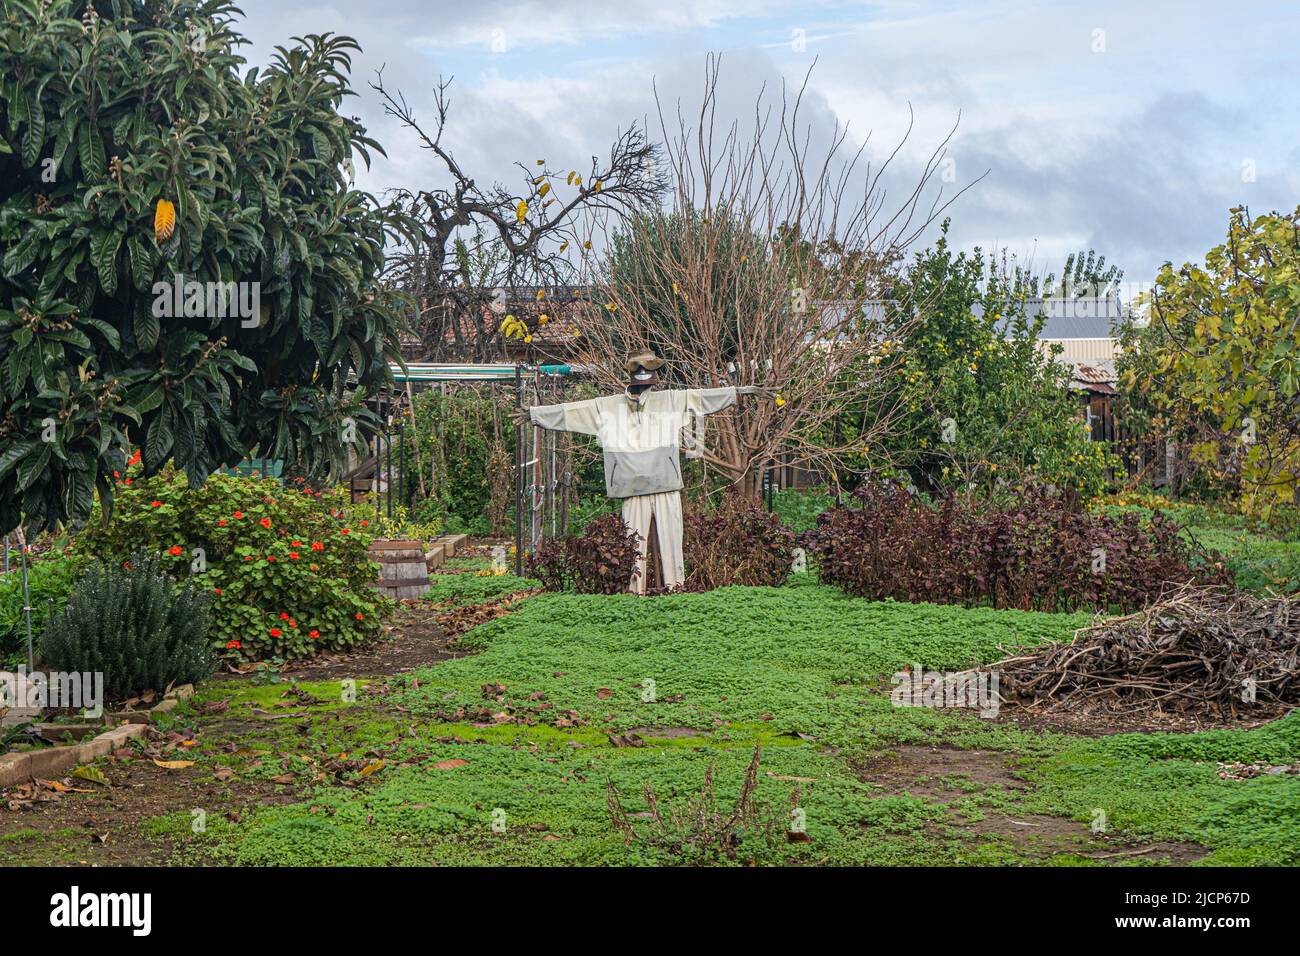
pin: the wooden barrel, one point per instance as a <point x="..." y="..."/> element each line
<point x="402" y="569"/>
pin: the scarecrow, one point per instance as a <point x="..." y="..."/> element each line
<point x="640" y="433"/>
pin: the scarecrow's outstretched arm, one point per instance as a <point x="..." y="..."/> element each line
<point x="706" y="401"/>
<point x="579" y="417"/>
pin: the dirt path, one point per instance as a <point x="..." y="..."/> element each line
<point x="41" y="824"/>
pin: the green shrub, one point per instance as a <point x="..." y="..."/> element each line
<point x="131" y="623"/>
<point x="798" y="509"/>
<point x="49" y="579"/>
<point x="287" y="567"/>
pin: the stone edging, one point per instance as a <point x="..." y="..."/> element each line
<point x="52" y="761"/>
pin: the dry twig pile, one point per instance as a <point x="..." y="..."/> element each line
<point x="1198" y="652"/>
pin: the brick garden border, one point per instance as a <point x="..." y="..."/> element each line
<point x="52" y="761"/>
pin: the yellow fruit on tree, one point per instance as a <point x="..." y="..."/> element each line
<point x="164" y="220"/>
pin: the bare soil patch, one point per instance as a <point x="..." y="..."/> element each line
<point x="413" y="640"/>
<point x="946" y="775"/>
<point x="108" y="826"/>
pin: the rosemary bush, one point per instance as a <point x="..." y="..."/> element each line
<point x="131" y="622"/>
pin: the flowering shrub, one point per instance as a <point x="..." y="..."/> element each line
<point x="287" y="568"/>
<point x="1040" y="552"/>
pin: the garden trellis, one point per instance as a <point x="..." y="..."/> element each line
<point x="541" y="472"/>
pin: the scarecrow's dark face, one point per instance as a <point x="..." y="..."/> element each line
<point x="641" y="380"/>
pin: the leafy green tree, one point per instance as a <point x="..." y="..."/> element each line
<point x="134" y="154"/>
<point x="1211" y="359"/>
<point x="1085" y="275"/>
<point x="984" y="401"/>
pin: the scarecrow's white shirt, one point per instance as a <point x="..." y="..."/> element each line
<point x="640" y="434"/>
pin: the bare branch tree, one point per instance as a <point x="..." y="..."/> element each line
<point x="470" y="242"/>
<point x="765" y="271"/>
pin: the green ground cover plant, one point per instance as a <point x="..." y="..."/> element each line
<point x="802" y="672"/>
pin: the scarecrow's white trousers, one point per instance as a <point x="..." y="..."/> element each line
<point x="666" y="509"/>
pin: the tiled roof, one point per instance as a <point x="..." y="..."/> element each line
<point x="1095" y="377"/>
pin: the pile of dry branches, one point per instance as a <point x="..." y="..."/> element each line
<point x="1198" y="652"/>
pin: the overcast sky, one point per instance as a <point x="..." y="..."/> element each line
<point x="1129" y="127"/>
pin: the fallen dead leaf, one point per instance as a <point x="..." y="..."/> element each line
<point x="93" y="774"/>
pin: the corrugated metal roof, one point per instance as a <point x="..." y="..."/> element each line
<point x="1077" y="318"/>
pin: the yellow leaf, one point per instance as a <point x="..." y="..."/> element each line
<point x="173" y="764"/>
<point x="564" y="245"/>
<point x="546" y="188"/>
<point x="164" y="221"/>
<point x="570" y="179"/>
<point x="371" y="767"/>
<point x="521" y="210"/>
<point x="93" y="774"/>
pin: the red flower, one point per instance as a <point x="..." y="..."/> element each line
<point x="248" y="557"/>
<point x="284" y="617"/>
<point x="216" y="590"/>
<point x="317" y="546"/>
<point x="271" y="558"/>
<point x="117" y="474"/>
<point x="294" y="555"/>
<point x="365" y="524"/>
<point x="222" y="522"/>
<point x="347" y="531"/>
<point x="265" y="522"/>
<point x="275" y="632"/>
<point x="315" y="567"/>
<point x="360" y="616"/>
<point x="239" y="514"/>
<point x="293" y="623"/>
<point x="155" y="504"/>
<point x="233" y="646"/>
<point x="128" y="481"/>
<point x="175" y="550"/>
<point x="295" y="544"/>
<point x="135" y="459"/>
<point x="314" y="633"/>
